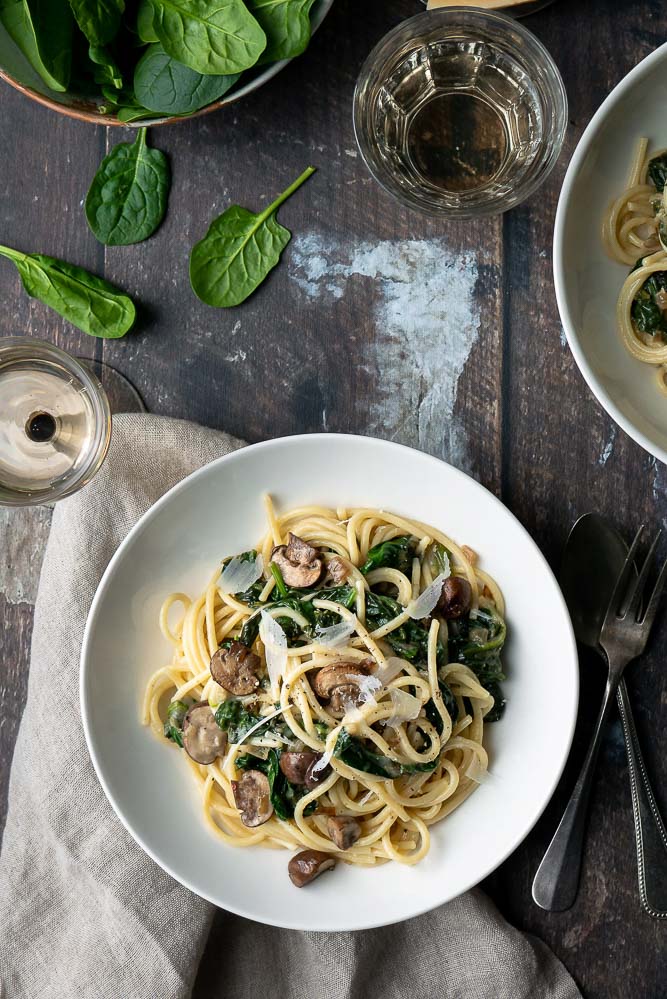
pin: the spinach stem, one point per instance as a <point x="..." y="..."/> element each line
<point x="282" y="198"/>
<point x="280" y="582"/>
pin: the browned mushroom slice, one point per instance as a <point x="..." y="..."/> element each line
<point x="298" y="562"/>
<point x="338" y="674"/>
<point x="304" y="867"/>
<point x="344" y="831"/>
<point x="337" y="570"/>
<point x="252" y="795"/>
<point x="203" y="739"/>
<point x="296" y="766"/>
<point x="455" y="598"/>
<point x="236" y="669"/>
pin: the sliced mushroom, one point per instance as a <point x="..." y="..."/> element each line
<point x="252" y="795"/>
<point x="203" y="739"/>
<point x="316" y="773"/>
<point x="455" y="598"/>
<point x="298" y="562"/>
<point x="344" y="831"/>
<point x="297" y="767"/>
<point x="338" y="674"/>
<point x="337" y="570"/>
<point x="236" y="669"/>
<point x="304" y="867"/>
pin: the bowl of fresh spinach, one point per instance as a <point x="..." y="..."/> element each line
<point x="115" y="62"/>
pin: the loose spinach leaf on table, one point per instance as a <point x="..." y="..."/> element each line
<point x="164" y="85"/>
<point x="99" y="20"/>
<point x="286" y="24"/>
<point x="239" y="250"/>
<point x="209" y="36"/>
<point x="84" y="299"/>
<point x="42" y="30"/>
<point x="127" y="199"/>
<point x="173" y="726"/>
<point x="354" y="754"/>
<point x="394" y="554"/>
<point x="657" y="171"/>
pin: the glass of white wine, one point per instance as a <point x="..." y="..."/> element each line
<point x="55" y="422"/>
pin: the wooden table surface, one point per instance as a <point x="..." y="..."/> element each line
<point x="442" y="336"/>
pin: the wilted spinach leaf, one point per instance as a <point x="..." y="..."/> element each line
<point x="168" y="87"/>
<point x="354" y="754"/>
<point x="646" y="314"/>
<point x="209" y="36"/>
<point x="173" y="726"/>
<point x="239" y="250"/>
<point x="394" y="554"/>
<point x="284" y="794"/>
<point x="233" y="719"/>
<point x="657" y="171"/>
<point x="86" y="301"/>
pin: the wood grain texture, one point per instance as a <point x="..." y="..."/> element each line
<point x="378" y="321"/>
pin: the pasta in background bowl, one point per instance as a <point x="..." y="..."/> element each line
<point x="593" y="289"/>
<point x="219" y="512"/>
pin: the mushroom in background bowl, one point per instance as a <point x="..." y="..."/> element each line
<point x="98" y="83"/>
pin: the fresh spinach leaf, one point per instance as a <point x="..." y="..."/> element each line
<point x="42" y="30"/>
<point x="84" y="299"/>
<point x="233" y="719"/>
<point x="130" y="114"/>
<point x="173" y="726"/>
<point x="168" y="87"/>
<point x="99" y="20"/>
<point x="657" y="171"/>
<point x="239" y="250"/>
<point x="286" y="24"/>
<point x="210" y="36"/>
<point x="127" y="199"/>
<point x="145" y="29"/>
<point x="394" y="554"/>
<point x="354" y="754"/>
<point x="646" y="314"/>
<point x="106" y="71"/>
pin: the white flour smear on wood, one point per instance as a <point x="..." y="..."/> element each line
<point x="427" y="321"/>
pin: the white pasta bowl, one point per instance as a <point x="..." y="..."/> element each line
<point x="218" y="511"/>
<point x="587" y="281"/>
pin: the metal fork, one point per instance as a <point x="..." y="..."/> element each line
<point x="623" y="637"/>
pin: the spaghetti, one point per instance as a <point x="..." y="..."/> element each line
<point x="634" y="232"/>
<point x="358" y="659"/>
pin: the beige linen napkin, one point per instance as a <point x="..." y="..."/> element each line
<point x="84" y="913"/>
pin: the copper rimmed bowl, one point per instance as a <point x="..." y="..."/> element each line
<point x="17" y="71"/>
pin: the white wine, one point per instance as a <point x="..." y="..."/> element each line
<point x="54" y="423"/>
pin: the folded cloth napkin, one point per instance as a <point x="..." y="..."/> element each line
<point x="85" y="913"/>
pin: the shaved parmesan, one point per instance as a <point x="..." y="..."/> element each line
<point x="476" y="771"/>
<point x="261" y="722"/>
<point x="336" y="635"/>
<point x="406" y="707"/>
<point x="274" y="640"/>
<point x="390" y="669"/>
<point x="323" y="762"/>
<point x="426" y="601"/>
<point x="368" y="687"/>
<point x="238" y="575"/>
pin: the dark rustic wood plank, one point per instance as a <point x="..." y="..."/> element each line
<point x="563" y="456"/>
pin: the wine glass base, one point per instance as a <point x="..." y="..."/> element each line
<point x="123" y="396"/>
